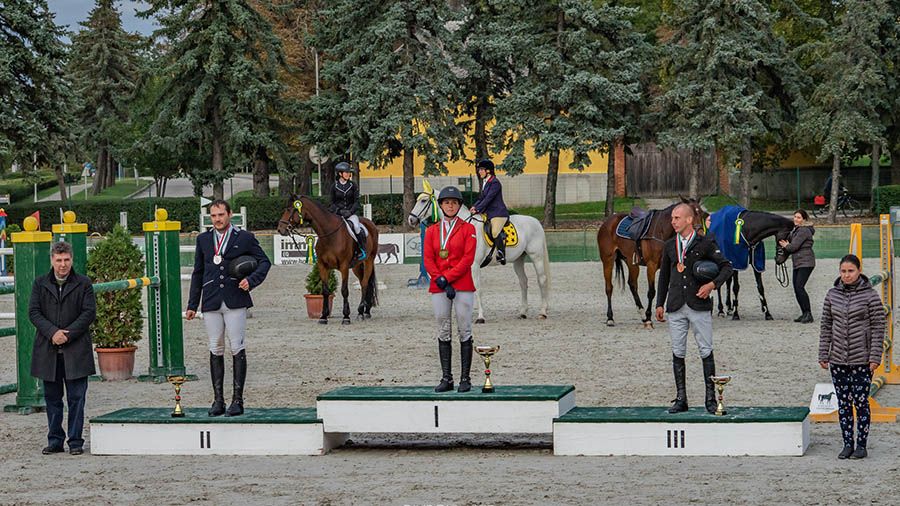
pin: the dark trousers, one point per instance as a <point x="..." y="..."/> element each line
<point x="76" y="391"/>
<point x="801" y="276"/>
<point x="851" y="384"/>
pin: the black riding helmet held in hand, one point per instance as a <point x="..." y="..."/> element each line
<point x="450" y="192"/>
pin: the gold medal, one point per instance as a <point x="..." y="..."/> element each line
<point x="680" y="267"/>
<point x="443" y="253"/>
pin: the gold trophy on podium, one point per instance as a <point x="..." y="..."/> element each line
<point x="720" y="382"/>
<point x="486" y="353"/>
<point x="177" y="381"/>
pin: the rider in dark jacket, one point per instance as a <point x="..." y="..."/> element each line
<point x="345" y="203"/>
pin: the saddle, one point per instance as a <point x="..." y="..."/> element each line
<point x="512" y="237"/>
<point x="635" y="227"/>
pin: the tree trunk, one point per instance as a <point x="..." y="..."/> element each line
<point x="723" y="185"/>
<point x="218" y="166"/>
<point x="61" y="181"/>
<point x="610" y="181"/>
<point x="480" y="134"/>
<point x="409" y="181"/>
<point x="895" y="166"/>
<point x="286" y="178"/>
<point x="303" y="186"/>
<point x="550" y="196"/>
<point x="694" y="178"/>
<point x="112" y="166"/>
<point x="261" y="173"/>
<point x="99" y="172"/>
<point x="165" y="183"/>
<point x="328" y="177"/>
<point x="876" y="165"/>
<point x="746" y="170"/>
<point x="835" y="187"/>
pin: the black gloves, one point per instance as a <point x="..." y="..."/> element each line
<point x="441" y="282"/>
<point x="451" y="292"/>
<point x="346" y="214"/>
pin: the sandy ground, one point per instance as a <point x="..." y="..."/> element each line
<point x="291" y="359"/>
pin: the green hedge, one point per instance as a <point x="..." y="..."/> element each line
<point x="21" y="190"/>
<point x="885" y="197"/>
<point x="102" y="215"/>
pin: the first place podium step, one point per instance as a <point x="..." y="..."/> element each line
<point x="522" y="409"/>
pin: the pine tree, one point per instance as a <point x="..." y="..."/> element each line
<point x="729" y="81"/>
<point x="223" y="88"/>
<point x="392" y="88"/>
<point x="856" y="86"/>
<point x="577" y="67"/>
<point x="36" y="101"/>
<point x="103" y="70"/>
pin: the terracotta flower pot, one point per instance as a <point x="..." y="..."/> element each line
<point x="116" y="364"/>
<point x="314" y="305"/>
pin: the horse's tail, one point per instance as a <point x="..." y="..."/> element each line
<point x="620" y="270"/>
<point x="372" y="290"/>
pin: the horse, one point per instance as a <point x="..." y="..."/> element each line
<point x="335" y="249"/>
<point x="532" y="242"/>
<point x="757" y="226"/>
<point x="391" y="250"/>
<point x="614" y="249"/>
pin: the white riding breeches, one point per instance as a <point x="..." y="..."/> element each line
<point x="222" y="321"/>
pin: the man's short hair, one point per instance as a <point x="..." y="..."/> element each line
<point x="222" y="203"/>
<point x="687" y="208"/>
<point x="61" y="248"/>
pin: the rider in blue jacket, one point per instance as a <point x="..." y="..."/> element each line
<point x="491" y="203"/>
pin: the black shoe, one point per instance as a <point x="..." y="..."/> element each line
<point x="465" y="358"/>
<point x="799" y="318"/>
<point x="680" y="403"/>
<point x="52" y="449"/>
<point x="76" y="451"/>
<point x="845" y="453"/>
<point x="239" y="375"/>
<point x="217" y="372"/>
<point x="709" y="369"/>
<point x="806" y="318"/>
<point x="445" y="351"/>
<point x="859" y="453"/>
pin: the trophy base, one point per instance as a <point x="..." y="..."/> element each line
<point x="487" y="390"/>
<point x="177" y="415"/>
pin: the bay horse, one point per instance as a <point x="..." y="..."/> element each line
<point x="757" y="226"/>
<point x="532" y="245"/>
<point x="335" y="249"/>
<point x="614" y="250"/>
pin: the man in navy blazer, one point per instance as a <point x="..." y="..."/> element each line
<point x="225" y="300"/>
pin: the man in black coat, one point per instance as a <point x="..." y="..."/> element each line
<point x="62" y="308"/>
<point x="687" y="301"/>
<point x="225" y="300"/>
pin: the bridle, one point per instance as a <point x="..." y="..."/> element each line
<point x="296" y="209"/>
<point x="435" y="212"/>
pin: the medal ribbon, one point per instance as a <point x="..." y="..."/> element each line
<point x="446" y="230"/>
<point x="680" y="249"/>
<point x="223" y="240"/>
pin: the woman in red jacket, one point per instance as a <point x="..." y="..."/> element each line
<point x="448" y="253"/>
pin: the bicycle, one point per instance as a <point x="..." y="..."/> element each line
<point x="846" y="205"/>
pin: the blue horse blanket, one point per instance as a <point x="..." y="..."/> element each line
<point x="722" y="225"/>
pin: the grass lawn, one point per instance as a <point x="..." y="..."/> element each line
<point x="716" y="202"/>
<point x="122" y="188"/>
<point x="582" y="210"/>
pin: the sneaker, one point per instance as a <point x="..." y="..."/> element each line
<point x="76" y="451"/>
<point x="859" y="453"/>
<point x="846" y="452"/>
<point x="52" y="449"/>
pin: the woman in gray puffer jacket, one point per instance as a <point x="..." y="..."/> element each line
<point x="799" y="244"/>
<point x="851" y="342"/>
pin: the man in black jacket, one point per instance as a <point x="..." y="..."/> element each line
<point x="687" y="301"/>
<point x="62" y="308"/>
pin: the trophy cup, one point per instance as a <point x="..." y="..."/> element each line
<point x="720" y="382"/>
<point x="486" y="352"/>
<point x="176" y="381"/>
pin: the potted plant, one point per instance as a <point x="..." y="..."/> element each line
<point x="118" y="325"/>
<point x="313" y="295"/>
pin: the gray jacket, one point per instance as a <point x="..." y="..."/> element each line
<point x="801" y="246"/>
<point x="853" y="322"/>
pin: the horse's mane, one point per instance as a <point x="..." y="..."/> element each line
<point x="315" y="202"/>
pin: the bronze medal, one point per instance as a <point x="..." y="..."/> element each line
<point x="443" y="253"/>
<point x="680" y="267"/>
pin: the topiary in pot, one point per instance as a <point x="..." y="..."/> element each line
<point x="314" y="299"/>
<point x="118" y="325"/>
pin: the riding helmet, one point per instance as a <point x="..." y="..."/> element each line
<point x="705" y="271"/>
<point x="450" y="192"/>
<point x="241" y="267"/>
<point x="486" y="165"/>
<point x="344" y="167"/>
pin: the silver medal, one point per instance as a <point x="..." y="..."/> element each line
<point x="217" y="259"/>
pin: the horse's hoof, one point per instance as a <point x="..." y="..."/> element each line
<point x="367" y="316"/>
<point x="721" y="314"/>
<point x="523" y="316"/>
<point x="345" y="321"/>
<point x="610" y="323"/>
<point x="323" y="321"/>
<point x="479" y="320"/>
<point x="542" y="317"/>
<point x="648" y="325"/>
<point x="735" y="316"/>
<point x="769" y="317"/>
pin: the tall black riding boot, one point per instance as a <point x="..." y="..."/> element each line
<point x="361" y="243"/>
<point x="680" y="403"/>
<point x="709" y="369"/>
<point x="501" y="248"/>
<point x="240" y="374"/>
<point x="445" y="350"/>
<point x="465" y="359"/>
<point x="217" y="372"/>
